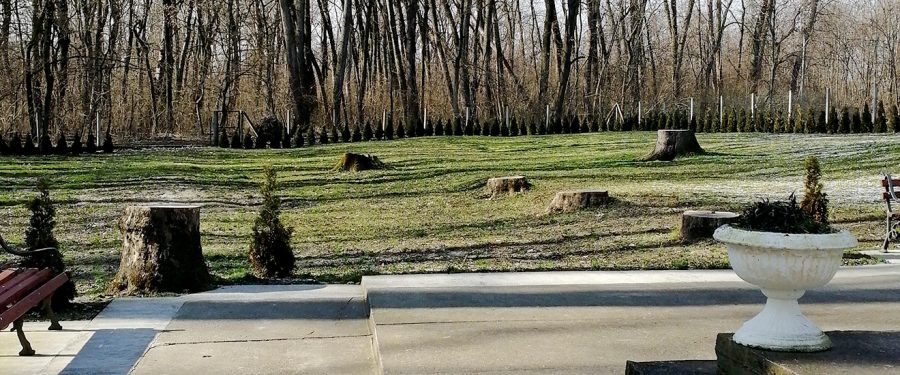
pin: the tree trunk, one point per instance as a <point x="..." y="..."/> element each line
<point x="161" y="251"/>
<point x="674" y="143"/>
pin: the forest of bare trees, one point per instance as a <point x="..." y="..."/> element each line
<point x="160" y="68"/>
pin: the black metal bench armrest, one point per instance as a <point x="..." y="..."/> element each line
<point x="24" y="253"/>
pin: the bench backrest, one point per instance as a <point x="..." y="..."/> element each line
<point x="891" y="188"/>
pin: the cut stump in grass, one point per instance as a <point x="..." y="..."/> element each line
<point x="507" y="185"/>
<point x="697" y="225"/>
<point x="674" y="143"/>
<point x="161" y="251"/>
<point x="351" y="162"/>
<point x="578" y="199"/>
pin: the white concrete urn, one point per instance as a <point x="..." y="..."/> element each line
<point x="784" y="266"/>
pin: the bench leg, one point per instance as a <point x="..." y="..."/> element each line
<point x="26" y="346"/>
<point x="887" y="236"/>
<point x="48" y="309"/>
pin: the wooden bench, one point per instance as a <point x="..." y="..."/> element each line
<point x="22" y="289"/>
<point x="891" y="194"/>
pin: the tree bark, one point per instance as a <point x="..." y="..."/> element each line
<point x="161" y="251"/>
<point x="674" y="143"/>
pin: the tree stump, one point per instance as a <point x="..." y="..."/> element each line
<point x="161" y="251"/>
<point x="507" y="185"/>
<point x="577" y="200"/>
<point x="674" y="143"/>
<point x="351" y="162"/>
<point x="696" y="225"/>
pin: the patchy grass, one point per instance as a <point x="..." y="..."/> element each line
<point x="427" y="212"/>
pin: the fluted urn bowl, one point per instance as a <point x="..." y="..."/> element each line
<point x="784" y="266"/>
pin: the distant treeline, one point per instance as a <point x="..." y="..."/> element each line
<point x="272" y="133"/>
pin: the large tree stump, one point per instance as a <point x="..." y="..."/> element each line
<point x="161" y="251"/>
<point x="696" y="225"/>
<point x="674" y="143"/>
<point x="507" y="185"/>
<point x="351" y="162"/>
<point x="577" y="200"/>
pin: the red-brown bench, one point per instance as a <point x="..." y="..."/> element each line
<point x="891" y="194"/>
<point x="22" y="289"/>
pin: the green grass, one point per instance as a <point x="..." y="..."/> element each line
<point x="428" y="212"/>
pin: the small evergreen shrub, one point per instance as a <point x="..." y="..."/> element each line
<point x="457" y="127"/>
<point x="504" y="129"/>
<point x="286" y="139"/>
<point x="495" y="128"/>
<point x="401" y="130"/>
<point x="236" y="139"/>
<point x="76" y="144"/>
<point x="856" y="124"/>
<point x="4" y="149"/>
<point x="833" y="124"/>
<point x="893" y="119"/>
<point x="275" y="141"/>
<point x="356" y="136"/>
<point x="28" y="148"/>
<point x="844" y="123"/>
<point x="866" y="119"/>
<point x="345" y="133"/>
<point x="323" y="137"/>
<point x="15" y="145"/>
<point x="261" y="141"/>
<point x="108" y="143"/>
<point x="333" y="135"/>
<point x="91" y="146"/>
<point x="821" y="126"/>
<point x="311" y="135"/>
<point x="298" y="139"/>
<point x="379" y="133"/>
<point x="248" y="141"/>
<point x="542" y="128"/>
<point x="880" y="125"/>
<point x="270" y="247"/>
<point x="367" y="132"/>
<point x="39" y="233"/>
<point x="46" y="145"/>
<point x="62" y="145"/>
<point x="438" y="127"/>
<point x="389" y="129"/>
<point x="815" y="201"/>
<point x="429" y="129"/>
<point x="223" y="139"/>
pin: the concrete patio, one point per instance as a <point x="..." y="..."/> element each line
<point x="543" y="322"/>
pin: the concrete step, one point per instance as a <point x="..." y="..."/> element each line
<point x="537" y="323"/>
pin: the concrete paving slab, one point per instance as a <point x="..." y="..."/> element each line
<point x="337" y="355"/>
<point x="262" y="330"/>
<point x="55" y="349"/>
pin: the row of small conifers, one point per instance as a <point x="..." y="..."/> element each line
<point x="18" y="145"/>
<point x="271" y="133"/>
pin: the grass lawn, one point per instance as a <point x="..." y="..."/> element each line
<point x="429" y="213"/>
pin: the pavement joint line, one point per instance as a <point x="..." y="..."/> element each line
<point x="257" y="340"/>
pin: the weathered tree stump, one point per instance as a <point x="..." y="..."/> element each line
<point x="674" y="143"/>
<point x="696" y="225"/>
<point x="351" y="162"/>
<point x="577" y="200"/>
<point x="161" y="251"/>
<point x="507" y="185"/>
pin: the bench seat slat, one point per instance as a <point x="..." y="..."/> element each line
<point x="884" y="183"/>
<point x="7" y="274"/>
<point x="31" y="300"/>
<point x="34" y="280"/>
<point x="19" y="276"/>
